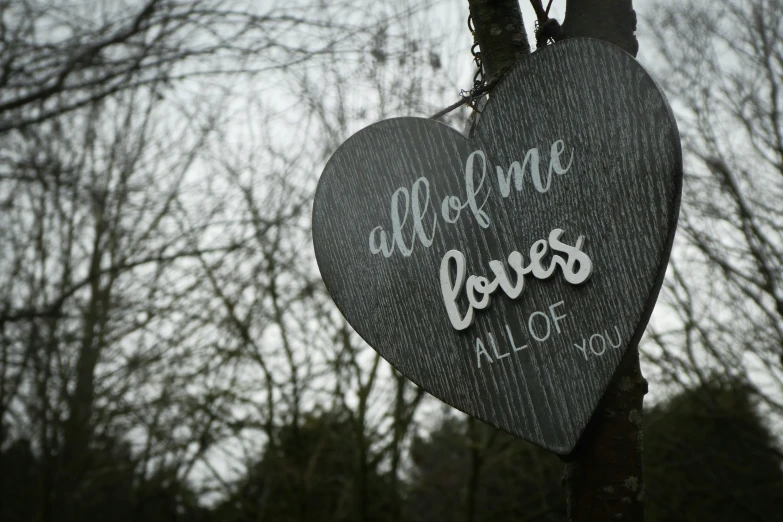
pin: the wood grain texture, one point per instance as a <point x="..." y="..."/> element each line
<point x="621" y="192"/>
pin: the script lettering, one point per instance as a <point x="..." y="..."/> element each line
<point x="576" y="269"/>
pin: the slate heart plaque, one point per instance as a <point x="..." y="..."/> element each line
<point x="507" y="272"/>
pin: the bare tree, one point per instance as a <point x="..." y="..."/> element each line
<point x="156" y="285"/>
<point x="724" y="70"/>
<point x="90" y="282"/>
<point x="58" y="57"/>
<point x="313" y="362"/>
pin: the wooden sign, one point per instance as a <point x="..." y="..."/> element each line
<point x="507" y="272"/>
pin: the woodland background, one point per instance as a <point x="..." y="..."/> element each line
<point x="168" y="351"/>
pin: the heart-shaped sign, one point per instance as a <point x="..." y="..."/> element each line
<point x="506" y="273"/>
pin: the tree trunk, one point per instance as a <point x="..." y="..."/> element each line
<point x="603" y="476"/>
<point x="500" y="34"/>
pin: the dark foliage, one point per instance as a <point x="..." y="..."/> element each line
<point x="111" y="488"/>
<point x="710" y="456"/>
<point x="470" y="471"/>
<point x="315" y="473"/>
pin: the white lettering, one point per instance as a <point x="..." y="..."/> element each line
<point x="479" y="289"/>
<point x="575" y="257"/>
<point x="478" y="213"/>
<point x="582" y="348"/>
<point x="557" y="149"/>
<point x="597" y="342"/>
<point x="482" y="286"/>
<point x="420" y="210"/>
<point x="383" y="247"/>
<point x="451" y="203"/>
<point x="495" y="348"/>
<point x="537" y="253"/>
<point x="504" y="181"/>
<point x="556" y="318"/>
<point x="511" y="341"/>
<point x="480" y="349"/>
<point x="395" y="217"/>
<point x="619" y="338"/>
<point x="530" y="326"/>
<point x="451" y="289"/>
<point x="416" y="201"/>
<point x="603" y="344"/>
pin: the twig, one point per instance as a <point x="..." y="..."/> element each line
<point x="484" y="89"/>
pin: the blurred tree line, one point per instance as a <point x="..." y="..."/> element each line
<point x="167" y="351"/>
<point x="708" y="456"/>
